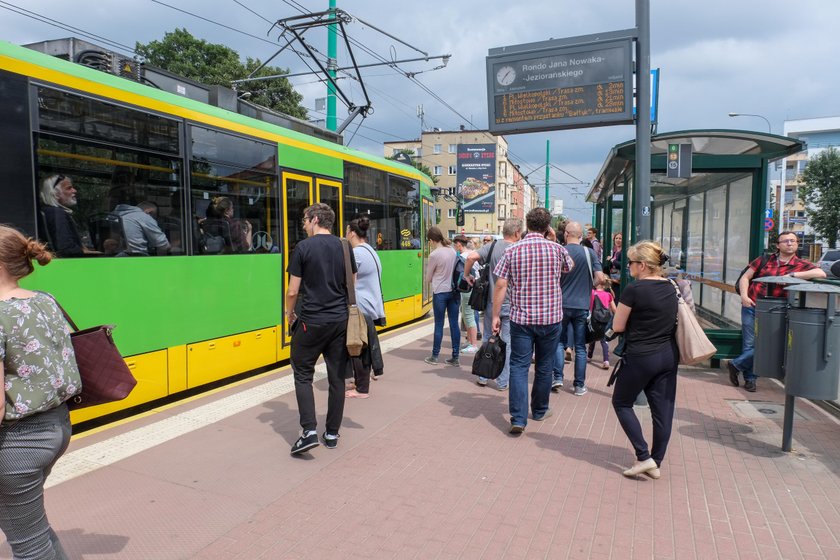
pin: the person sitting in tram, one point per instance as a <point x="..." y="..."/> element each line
<point x="236" y="233"/>
<point x="58" y="198"/>
<point x="142" y="232"/>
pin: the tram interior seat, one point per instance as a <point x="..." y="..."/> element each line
<point x="214" y="237"/>
<point x="107" y="234"/>
<point x="44" y="231"/>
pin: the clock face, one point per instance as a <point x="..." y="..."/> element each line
<point x="506" y="75"/>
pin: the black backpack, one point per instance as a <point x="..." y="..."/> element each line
<point x="764" y="259"/>
<point x="599" y="318"/>
<point x="489" y="361"/>
<point x="480" y="295"/>
<point x="458" y="282"/>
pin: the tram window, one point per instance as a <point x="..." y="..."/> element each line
<point x="126" y="202"/>
<point x="233" y="189"/>
<point x="404" y="211"/>
<point x="67" y="113"/>
<point x="365" y="192"/>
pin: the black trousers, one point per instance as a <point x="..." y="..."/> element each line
<point x="371" y="358"/>
<point x="309" y="342"/>
<point x="656" y="375"/>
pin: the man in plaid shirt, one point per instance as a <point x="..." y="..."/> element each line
<point x="531" y="270"/>
<point x="782" y="263"/>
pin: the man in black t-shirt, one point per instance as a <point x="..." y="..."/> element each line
<point x="318" y="322"/>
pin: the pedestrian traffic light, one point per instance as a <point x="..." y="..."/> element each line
<point x="459" y="215"/>
<point x="679" y="161"/>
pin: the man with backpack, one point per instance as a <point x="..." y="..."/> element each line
<point x="577" y="291"/>
<point x="488" y="256"/>
<point x="782" y="263"/>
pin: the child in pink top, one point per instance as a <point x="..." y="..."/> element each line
<point x="603" y="292"/>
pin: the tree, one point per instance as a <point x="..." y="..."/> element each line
<point x="212" y="64"/>
<point x="417" y="164"/>
<point x="821" y="193"/>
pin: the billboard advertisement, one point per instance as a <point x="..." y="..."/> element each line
<point x="476" y="176"/>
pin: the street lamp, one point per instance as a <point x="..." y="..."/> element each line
<point x="769" y="129"/>
<point x="780" y="203"/>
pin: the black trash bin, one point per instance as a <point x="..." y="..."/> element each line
<point x="812" y="360"/>
<point x="770" y="328"/>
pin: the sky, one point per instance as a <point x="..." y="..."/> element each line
<point x="770" y="58"/>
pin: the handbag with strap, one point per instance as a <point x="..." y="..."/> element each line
<point x="480" y="296"/>
<point x="489" y="361"/>
<point x="105" y="375"/>
<point x="692" y="342"/>
<point x="356" y="325"/>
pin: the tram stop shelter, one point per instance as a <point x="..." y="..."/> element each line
<point x="711" y="224"/>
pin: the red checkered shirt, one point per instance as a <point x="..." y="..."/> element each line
<point x="533" y="268"/>
<point x="774" y="267"/>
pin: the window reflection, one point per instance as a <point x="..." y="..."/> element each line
<point x="234" y="194"/>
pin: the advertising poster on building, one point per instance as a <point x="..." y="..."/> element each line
<point x="476" y="176"/>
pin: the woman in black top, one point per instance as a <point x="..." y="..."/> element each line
<point x="647" y="315"/>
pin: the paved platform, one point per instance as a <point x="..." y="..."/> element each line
<point x="425" y="468"/>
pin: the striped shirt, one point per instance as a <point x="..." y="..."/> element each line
<point x="533" y="268"/>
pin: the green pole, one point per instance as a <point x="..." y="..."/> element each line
<point x="547" y="156"/>
<point x="332" y="47"/>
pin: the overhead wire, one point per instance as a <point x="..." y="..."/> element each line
<point x="65" y="26"/>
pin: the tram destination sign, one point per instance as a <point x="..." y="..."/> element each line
<point x="560" y="84"/>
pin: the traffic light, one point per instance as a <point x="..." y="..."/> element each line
<point x="459" y="215"/>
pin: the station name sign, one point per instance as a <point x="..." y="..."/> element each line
<point x="559" y="84"/>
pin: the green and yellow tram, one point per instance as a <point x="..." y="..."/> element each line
<point x="205" y="309"/>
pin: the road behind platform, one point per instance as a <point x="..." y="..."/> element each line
<point x="425" y="468"/>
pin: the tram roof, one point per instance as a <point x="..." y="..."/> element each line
<point x="721" y="143"/>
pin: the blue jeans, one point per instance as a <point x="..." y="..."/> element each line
<point x="527" y="340"/>
<point x="504" y="377"/>
<point x="574" y="322"/>
<point x="744" y="362"/>
<point x="446" y="303"/>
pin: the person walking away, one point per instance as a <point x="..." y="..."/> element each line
<point x="577" y="295"/>
<point x="489" y="255"/>
<point x="39" y="373"/>
<point x="462" y="244"/>
<point x="532" y="270"/>
<point x="783" y="262"/>
<point x="445" y="301"/>
<point x="603" y="293"/>
<point x="319" y="324"/>
<point x="647" y="315"/>
<point x="369" y="300"/>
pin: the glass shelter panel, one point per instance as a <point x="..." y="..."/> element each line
<point x="714" y="247"/>
<point x="694" y="247"/>
<point x="737" y="241"/>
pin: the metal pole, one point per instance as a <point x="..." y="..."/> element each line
<point x="547" y="157"/>
<point x="641" y="189"/>
<point x="332" y="53"/>
<point x="787" y="427"/>
<point x="782" y="196"/>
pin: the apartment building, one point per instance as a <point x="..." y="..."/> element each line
<point x="494" y="189"/>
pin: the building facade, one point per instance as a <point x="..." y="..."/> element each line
<point x="486" y="205"/>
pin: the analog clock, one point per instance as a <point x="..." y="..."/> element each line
<point x="506" y="75"/>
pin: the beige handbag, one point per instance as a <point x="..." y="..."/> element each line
<point x="356" y="326"/>
<point x="693" y="343"/>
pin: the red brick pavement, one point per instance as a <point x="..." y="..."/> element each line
<point x="425" y="468"/>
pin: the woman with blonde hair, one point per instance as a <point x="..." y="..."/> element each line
<point x="647" y="315"/>
<point x="39" y="373"/>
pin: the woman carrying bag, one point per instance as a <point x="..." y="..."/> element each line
<point x="369" y="299"/>
<point x="39" y="373"/>
<point x="647" y="315"/>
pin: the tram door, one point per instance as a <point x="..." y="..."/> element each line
<point x="428" y="221"/>
<point x="300" y="191"/>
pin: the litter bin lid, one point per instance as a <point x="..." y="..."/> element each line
<point x="812" y="287"/>
<point x="780" y="280"/>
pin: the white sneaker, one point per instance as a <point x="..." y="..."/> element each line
<point x="470" y="349"/>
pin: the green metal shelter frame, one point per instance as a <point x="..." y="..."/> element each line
<point x="711" y="224"/>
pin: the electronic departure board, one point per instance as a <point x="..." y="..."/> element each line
<point x="555" y="85"/>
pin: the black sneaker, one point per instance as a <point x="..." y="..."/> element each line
<point x="733" y="373"/>
<point x="453" y="362"/>
<point x="305" y="443"/>
<point x="330" y="443"/>
<point x="749" y="386"/>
